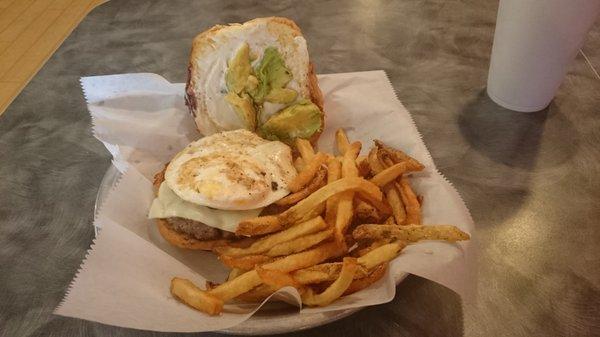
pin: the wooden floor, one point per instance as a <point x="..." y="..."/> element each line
<point x="30" y="32"/>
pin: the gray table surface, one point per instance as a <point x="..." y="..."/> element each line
<point x="532" y="181"/>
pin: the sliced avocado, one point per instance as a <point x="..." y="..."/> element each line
<point x="238" y="70"/>
<point x="271" y="74"/>
<point x="281" y="95"/>
<point x="244" y="107"/>
<point x="300" y="120"/>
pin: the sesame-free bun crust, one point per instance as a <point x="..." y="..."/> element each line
<point x="207" y="43"/>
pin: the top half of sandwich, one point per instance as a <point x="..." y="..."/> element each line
<point x="255" y="76"/>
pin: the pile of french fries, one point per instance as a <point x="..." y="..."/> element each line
<point x="347" y="216"/>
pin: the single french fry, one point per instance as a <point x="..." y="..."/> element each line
<point x="299" y="244"/>
<point x="259" y="225"/>
<point x="341" y="141"/>
<point x="264" y="244"/>
<point x="334" y="172"/>
<point x="349" y="168"/>
<point x="305" y="148"/>
<point x="362" y="250"/>
<point x="190" y="294"/>
<point x="410" y="233"/>
<point x="381" y="254"/>
<point x="344" y="215"/>
<point x="239" y="285"/>
<point x="396" y="155"/>
<point x="395" y="201"/>
<point x="366" y="211"/>
<point x="257" y="294"/>
<point x="244" y="262"/>
<point x="317" y="182"/>
<point x="324" y="272"/>
<point x="411" y="203"/>
<point x="235" y="272"/>
<point x="364" y="282"/>
<point x="391" y="173"/>
<point x="374" y="161"/>
<point x="336" y="289"/>
<point x="362" y="163"/>
<point x="299" y="164"/>
<point x="308" y="173"/>
<point x="382" y="206"/>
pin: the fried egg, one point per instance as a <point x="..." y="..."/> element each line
<point x="232" y="170"/>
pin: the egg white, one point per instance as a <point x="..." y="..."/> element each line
<point x="232" y="170"/>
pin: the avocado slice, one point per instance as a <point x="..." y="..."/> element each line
<point x="271" y="74"/>
<point x="238" y="70"/>
<point x="300" y="120"/>
<point x="281" y="95"/>
<point x="244" y="107"/>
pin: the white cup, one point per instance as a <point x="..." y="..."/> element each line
<point x="534" y="43"/>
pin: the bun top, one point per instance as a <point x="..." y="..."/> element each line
<point x="241" y="76"/>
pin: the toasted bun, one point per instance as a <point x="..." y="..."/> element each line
<point x="208" y="60"/>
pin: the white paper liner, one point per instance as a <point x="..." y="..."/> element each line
<point x="142" y="121"/>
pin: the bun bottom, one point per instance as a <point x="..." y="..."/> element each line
<point x="183" y="240"/>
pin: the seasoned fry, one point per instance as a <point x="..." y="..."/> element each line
<point x="324" y="272"/>
<point x="365" y="211"/>
<point x="411" y="203"/>
<point x="390" y="221"/>
<point x="336" y="289"/>
<point x="362" y="283"/>
<point x="317" y="182"/>
<point x="264" y="244"/>
<point x="299" y="164"/>
<point x="391" y="173"/>
<point x="243" y="262"/>
<point x="362" y="163"/>
<point x="410" y="233"/>
<point x="190" y="294"/>
<point x="308" y="173"/>
<point x="396" y="155"/>
<point x="382" y="207"/>
<point x="395" y="201"/>
<point x="374" y="161"/>
<point x="341" y="141"/>
<point x="344" y="215"/>
<point x="362" y="250"/>
<point x="305" y="148"/>
<point x="381" y="254"/>
<point x="299" y="244"/>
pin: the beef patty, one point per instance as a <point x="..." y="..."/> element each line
<point x="198" y="230"/>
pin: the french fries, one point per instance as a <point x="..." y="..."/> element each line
<point x="295" y="244"/>
<point x="195" y="297"/>
<point x="268" y="242"/>
<point x="299" y="244"/>
<point x="341" y="141"/>
<point x="336" y="289"/>
<point x="305" y="148"/>
<point x="411" y="203"/>
<point x="308" y="172"/>
<point x="410" y="233"/>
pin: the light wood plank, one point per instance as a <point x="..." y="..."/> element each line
<point x="30" y="63"/>
<point x="26" y="40"/>
<point x="12" y="12"/>
<point x="6" y="3"/>
<point x="24" y="20"/>
<point x="8" y="92"/>
<point x="62" y="4"/>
